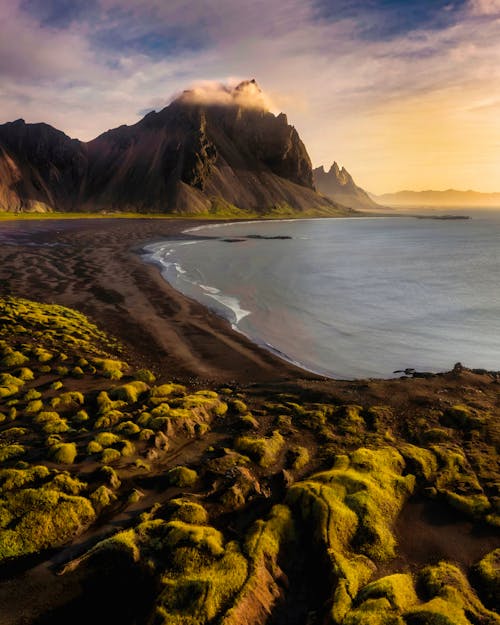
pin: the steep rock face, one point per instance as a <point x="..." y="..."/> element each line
<point x="40" y="168"/>
<point x="194" y="156"/>
<point x="339" y="185"/>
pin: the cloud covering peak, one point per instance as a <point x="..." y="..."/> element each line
<point x="246" y="93"/>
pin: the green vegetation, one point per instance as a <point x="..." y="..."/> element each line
<point x="36" y="519"/>
<point x="487" y="575"/>
<point x="182" y="476"/>
<point x="350" y="510"/>
<point x="220" y="552"/>
<point x="264" y="451"/>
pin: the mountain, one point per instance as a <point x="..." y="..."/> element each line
<point x="205" y="153"/>
<point x="338" y="185"/>
<point x="440" y="199"/>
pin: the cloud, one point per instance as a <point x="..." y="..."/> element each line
<point x="484" y="7"/>
<point x="246" y="93"/>
<point x="87" y="67"/>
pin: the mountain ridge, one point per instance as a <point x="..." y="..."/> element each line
<point x="338" y="184"/>
<point x="448" y="197"/>
<point x="195" y="156"/>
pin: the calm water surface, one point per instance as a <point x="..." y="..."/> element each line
<point x="352" y="298"/>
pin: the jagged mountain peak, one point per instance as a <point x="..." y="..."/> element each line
<point x="338" y="184"/>
<point x="213" y="146"/>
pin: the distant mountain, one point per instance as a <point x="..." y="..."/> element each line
<point x="450" y="198"/>
<point x="338" y="185"/>
<point x="221" y="152"/>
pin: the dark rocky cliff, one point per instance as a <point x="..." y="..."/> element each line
<point x="192" y="156"/>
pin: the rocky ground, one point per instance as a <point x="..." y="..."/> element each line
<point x="145" y="480"/>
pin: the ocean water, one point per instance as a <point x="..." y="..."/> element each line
<point x="352" y="298"/>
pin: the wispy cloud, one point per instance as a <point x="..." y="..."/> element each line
<point x="362" y="81"/>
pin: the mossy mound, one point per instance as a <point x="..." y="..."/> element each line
<point x="350" y="510"/>
<point x="40" y="509"/>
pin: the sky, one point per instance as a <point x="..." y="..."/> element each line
<point x="404" y="94"/>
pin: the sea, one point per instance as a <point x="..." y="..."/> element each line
<point x="348" y="298"/>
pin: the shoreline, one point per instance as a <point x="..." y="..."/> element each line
<point x="96" y="267"/>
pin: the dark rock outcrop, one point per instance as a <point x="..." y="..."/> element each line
<point x="193" y="156"/>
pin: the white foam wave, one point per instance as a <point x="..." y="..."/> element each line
<point x="209" y="289"/>
<point x="233" y="304"/>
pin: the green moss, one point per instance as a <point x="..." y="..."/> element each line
<point x="107" y="439"/>
<point x="398" y="589"/>
<point x="53" y="439"/>
<point x="130" y="392"/>
<point x="187" y="511"/>
<point x="146" y="434"/>
<point x="204" y="404"/>
<point x="459" y="417"/>
<point x="160" y="424"/>
<point x="13" y="358"/>
<point x="373" y="612"/>
<point x="110" y="455"/>
<point x="102" y="497"/>
<point x="202" y="537"/>
<point x="349" y="419"/>
<point x="421" y="462"/>
<point x="350" y="511"/>
<point x="264" y="542"/>
<point x="168" y="390"/>
<point x="128" y="428"/>
<point x="248" y="422"/>
<point x="451" y="599"/>
<point x="264" y="451"/>
<point x="106" y="404"/>
<point x="7" y="452"/>
<point x="70" y="400"/>
<point x="127" y="448"/>
<point x="182" y="477"/>
<point x="64" y="453"/>
<point x="77" y="372"/>
<point x="475" y="506"/>
<point x="67" y="484"/>
<point x="25" y="374"/>
<point x="13" y="479"/>
<point x="145" y="375"/>
<point x="81" y="416"/>
<point x="110" y="476"/>
<point x="11" y="383"/>
<point x="202" y="582"/>
<point x="108" y="420"/>
<point x="109" y="368"/>
<point x="298" y="457"/>
<point x="94" y="447"/>
<point x="33" y="407"/>
<point x="239" y="407"/>
<point x="436" y="435"/>
<point x="42" y="355"/>
<point x="51" y="422"/>
<point x="42" y="518"/>
<point x="486" y="574"/>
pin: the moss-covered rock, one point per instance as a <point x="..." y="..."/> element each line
<point x="264" y="451"/>
<point x="182" y="476"/>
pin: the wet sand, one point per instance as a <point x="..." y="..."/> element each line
<point x="95" y="266"/>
